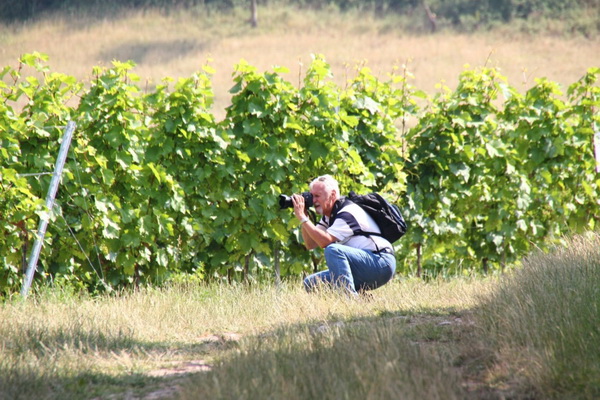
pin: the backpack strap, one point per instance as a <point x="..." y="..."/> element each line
<point x="337" y="206"/>
<point x="343" y="202"/>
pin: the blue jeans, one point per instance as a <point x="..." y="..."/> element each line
<point x="353" y="269"/>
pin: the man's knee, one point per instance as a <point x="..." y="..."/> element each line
<point x="332" y="250"/>
<point x="312" y="282"/>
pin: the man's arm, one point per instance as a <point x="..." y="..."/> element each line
<point x="316" y="236"/>
<point x="313" y="235"/>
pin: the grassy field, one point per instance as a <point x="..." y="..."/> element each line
<point x="135" y="344"/>
<point x="179" y="44"/>
<point x="529" y="334"/>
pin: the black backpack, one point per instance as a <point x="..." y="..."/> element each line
<point x="386" y="215"/>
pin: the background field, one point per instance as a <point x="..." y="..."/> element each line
<point x="528" y="335"/>
<point x="179" y="44"/>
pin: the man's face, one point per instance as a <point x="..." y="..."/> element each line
<point x="323" y="200"/>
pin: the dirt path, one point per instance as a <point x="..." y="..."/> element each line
<point x="175" y="373"/>
<point x="472" y="365"/>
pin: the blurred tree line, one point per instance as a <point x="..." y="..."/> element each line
<point x="462" y="14"/>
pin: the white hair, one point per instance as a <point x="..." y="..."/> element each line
<point x="329" y="182"/>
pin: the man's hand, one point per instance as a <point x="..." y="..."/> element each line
<point x="314" y="236"/>
<point x="299" y="206"/>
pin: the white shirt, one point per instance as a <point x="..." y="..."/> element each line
<point x="348" y="221"/>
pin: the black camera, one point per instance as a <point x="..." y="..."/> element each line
<point x="286" y="201"/>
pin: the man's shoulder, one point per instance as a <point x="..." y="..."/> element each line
<point x="344" y="205"/>
<point x="351" y="208"/>
<point x="353" y="215"/>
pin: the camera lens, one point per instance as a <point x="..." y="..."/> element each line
<point x="285" y="201"/>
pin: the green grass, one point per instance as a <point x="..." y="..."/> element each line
<point x="57" y="345"/>
<point x="544" y="322"/>
<point x="532" y="333"/>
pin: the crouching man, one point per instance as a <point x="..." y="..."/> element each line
<point x="355" y="262"/>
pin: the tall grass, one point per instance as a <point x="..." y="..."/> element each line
<point x="544" y="322"/>
<point x="533" y="333"/>
<point x="367" y="359"/>
<point x="64" y="345"/>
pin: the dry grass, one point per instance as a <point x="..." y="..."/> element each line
<point x="542" y="321"/>
<point x="179" y="44"/>
<point x="134" y="344"/>
<point x="531" y="334"/>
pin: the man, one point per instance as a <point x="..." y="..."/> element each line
<point x="356" y="262"/>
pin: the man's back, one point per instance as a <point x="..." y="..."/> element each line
<point x="348" y="221"/>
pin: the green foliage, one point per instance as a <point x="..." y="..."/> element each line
<point x="154" y="185"/>
<point x="486" y="184"/>
<point x="458" y="163"/>
<point x="281" y="137"/>
<point x="554" y="142"/>
<point x="29" y="141"/>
